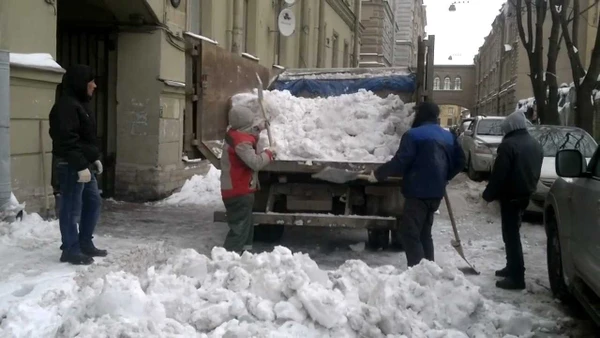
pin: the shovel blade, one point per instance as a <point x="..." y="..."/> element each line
<point x="334" y="175"/>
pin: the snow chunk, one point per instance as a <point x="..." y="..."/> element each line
<point x="199" y="190"/>
<point x="29" y="233"/>
<point x="271" y="294"/>
<point x="36" y="60"/>
<point x="359" y="127"/>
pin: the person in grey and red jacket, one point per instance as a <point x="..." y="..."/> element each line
<point x="77" y="158"/>
<point x="240" y="163"/>
<point x="514" y="178"/>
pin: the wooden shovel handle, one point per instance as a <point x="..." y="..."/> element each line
<point x="391" y="179"/>
<point x="451" y="215"/>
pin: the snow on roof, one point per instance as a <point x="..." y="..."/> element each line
<point x="35" y="60"/>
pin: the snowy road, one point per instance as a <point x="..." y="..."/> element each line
<point x="29" y="261"/>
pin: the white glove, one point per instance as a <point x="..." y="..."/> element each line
<point x="273" y="150"/>
<point x="99" y="167"/>
<point x="372" y="177"/>
<point x="84" y="176"/>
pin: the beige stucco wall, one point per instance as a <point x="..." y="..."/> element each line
<point x="31" y="98"/>
<point x="261" y="41"/>
<point x="25" y="37"/>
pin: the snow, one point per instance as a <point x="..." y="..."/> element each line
<point x="35" y="60"/>
<point x="271" y="294"/>
<point x="359" y="127"/>
<point x="201" y="37"/>
<point x="199" y="190"/>
<point x="250" y="56"/>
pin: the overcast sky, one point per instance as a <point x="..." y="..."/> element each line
<point x="462" y="32"/>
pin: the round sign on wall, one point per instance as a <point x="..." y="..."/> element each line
<point x="286" y="22"/>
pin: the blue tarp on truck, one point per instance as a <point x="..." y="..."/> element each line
<point x="335" y="87"/>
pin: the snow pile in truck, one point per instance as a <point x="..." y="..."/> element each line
<point x="276" y="294"/>
<point x="359" y="127"/>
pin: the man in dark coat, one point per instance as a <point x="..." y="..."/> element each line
<point x="514" y="178"/>
<point x="77" y="157"/>
<point x="428" y="157"/>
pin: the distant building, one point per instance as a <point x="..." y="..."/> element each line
<point x="502" y="66"/>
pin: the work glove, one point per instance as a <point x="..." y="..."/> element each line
<point x="272" y="151"/>
<point x="372" y="177"/>
<point x="99" y="167"/>
<point x="84" y="176"/>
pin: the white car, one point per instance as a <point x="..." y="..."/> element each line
<point x="553" y="139"/>
<point x="479" y="143"/>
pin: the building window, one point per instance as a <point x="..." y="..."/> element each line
<point x="458" y="83"/>
<point x="447" y="83"/>
<point x="436" y="83"/>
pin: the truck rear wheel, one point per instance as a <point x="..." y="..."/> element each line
<point x="378" y="239"/>
<point x="268" y="233"/>
<point x="397" y="240"/>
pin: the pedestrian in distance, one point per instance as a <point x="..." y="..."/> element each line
<point x="240" y="163"/>
<point x="514" y="178"/>
<point x="77" y="159"/>
<point x="427" y="159"/>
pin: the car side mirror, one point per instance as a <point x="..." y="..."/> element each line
<point x="468" y="133"/>
<point x="570" y="163"/>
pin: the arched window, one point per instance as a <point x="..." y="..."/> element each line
<point x="447" y="83"/>
<point x="458" y="83"/>
<point x="436" y="83"/>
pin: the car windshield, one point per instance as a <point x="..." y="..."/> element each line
<point x="490" y="127"/>
<point x="555" y="139"/>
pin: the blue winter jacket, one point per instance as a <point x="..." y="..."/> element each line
<point x="428" y="157"/>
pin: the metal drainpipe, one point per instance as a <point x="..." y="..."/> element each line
<point x="357" y="4"/>
<point x="5" y="178"/>
<point x="238" y="27"/>
<point x="321" y="37"/>
<point x="304" y="30"/>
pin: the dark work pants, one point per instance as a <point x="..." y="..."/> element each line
<point x="417" y="221"/>
<point x="239" y="219"/>
<point x="80" y="204"/>
<point x="512" y="214"/>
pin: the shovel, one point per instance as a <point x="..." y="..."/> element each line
<point x="341" y="176"/>
<point x="456" y="244"/>
<point x="262" y="109"/>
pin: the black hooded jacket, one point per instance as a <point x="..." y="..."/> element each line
<point x="72" y="123"/>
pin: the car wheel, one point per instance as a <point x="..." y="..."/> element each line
<point x="554" y="260"/>
<point x="471" y="172"/>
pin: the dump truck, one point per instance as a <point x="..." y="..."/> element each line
<point x="289" y="195"/>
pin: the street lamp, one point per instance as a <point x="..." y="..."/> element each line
<point x="452" y="7"/>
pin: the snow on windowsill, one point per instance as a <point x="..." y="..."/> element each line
<point x="278" y="67"/>
<point x="191" y="160"/>
<point x="250" y="56"/>
<point x="35" y="60"/>
<point x="172" y="83"/>
<point x="214" y="42"/>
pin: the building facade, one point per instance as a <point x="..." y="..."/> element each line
<point x="377" y="48"/>
<point x="137" y="51"/>
<point x="502" y="66"/>
<point x="450" y="115"/>
<point x="259" y="37"/>
<point x="410" y="19"/>
<point x="454" y="85"/>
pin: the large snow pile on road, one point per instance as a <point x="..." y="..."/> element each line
<point x="359" y="127"/>
<point x="29" y="233"/>
<point x="277" y="294"/>
<point x="204" y="190"/>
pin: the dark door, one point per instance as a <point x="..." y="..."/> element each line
<point x="95" y="47"/>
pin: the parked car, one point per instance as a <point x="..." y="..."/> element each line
<point x="480" y="142"/>
<point x="553" y="139"/>
<point x="572" y="221"/>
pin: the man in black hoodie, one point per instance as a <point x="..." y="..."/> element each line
<point x="74" y="146"/>
<point x="514" y="179"/>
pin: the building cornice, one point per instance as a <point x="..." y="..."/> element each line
<point x="342" y="9"/>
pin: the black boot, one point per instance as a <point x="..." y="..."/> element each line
<point x="92" y="251"/>
<point x="511" y="284"/>
<point x="76" y="259"/>
<point x="502" y="272"/>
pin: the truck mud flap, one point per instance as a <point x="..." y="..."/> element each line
<point x="318" y="220"/>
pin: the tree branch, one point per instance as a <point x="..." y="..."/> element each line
<point x="594" y="68"/>
<point x="575" y="27"/>
<point x="576" y="65"/>
<point x="529" y="22"/>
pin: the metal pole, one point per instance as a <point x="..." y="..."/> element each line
<point x="5" y="177"/>
<point x="238" y="27"/>
<point x="357" y="10"/>
<point x="321" y="37"/>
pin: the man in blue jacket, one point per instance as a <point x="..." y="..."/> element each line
<point x="428" y="157"/>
